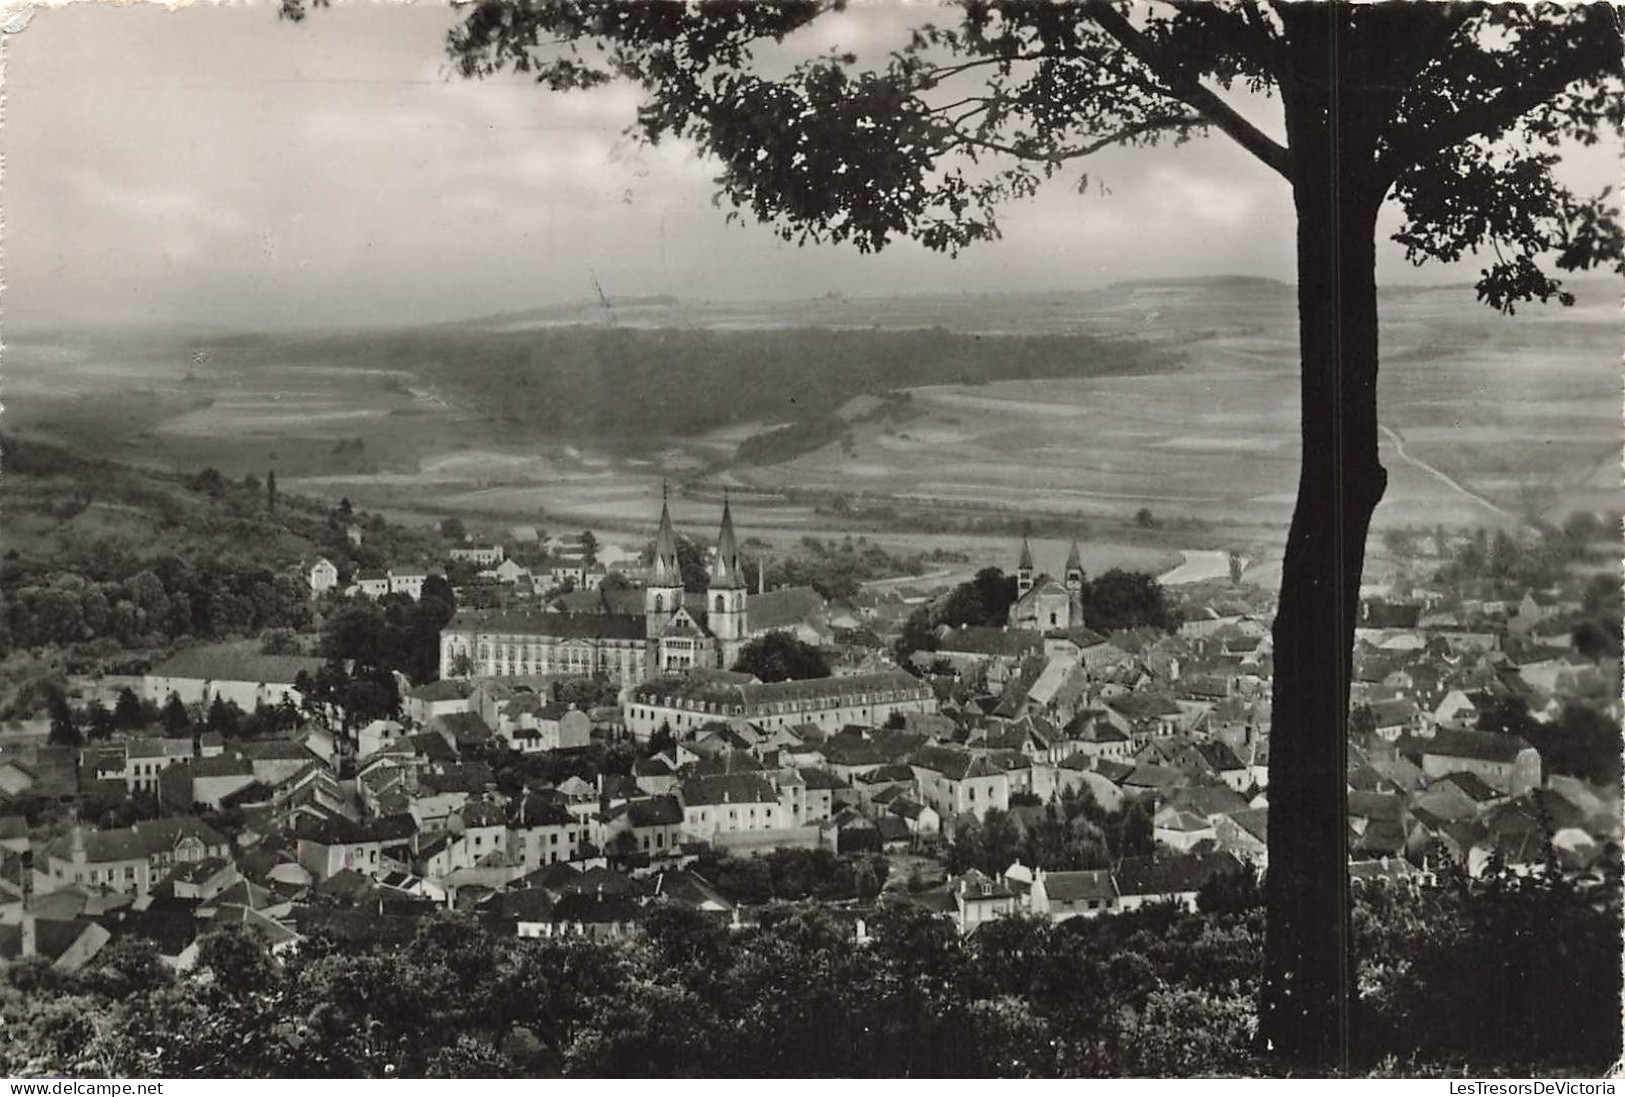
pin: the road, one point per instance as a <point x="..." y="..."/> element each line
<point x="1199" y="566"/>
<point x="1399" y="448"/>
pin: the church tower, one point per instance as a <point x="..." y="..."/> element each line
<point x="1074" y="586"/>
<point x="726" y="590"/>
<point x="1024" y="569"/>
<point x="663" y="593"/>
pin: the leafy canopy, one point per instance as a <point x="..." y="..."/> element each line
<point x="1460" y="112"/>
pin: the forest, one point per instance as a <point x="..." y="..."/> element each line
<point x="1509" y="975"/>
<point x="572" y="381"/>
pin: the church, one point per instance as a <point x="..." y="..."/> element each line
<point x="677" y="630"/>
<point x="1042" y="604"/>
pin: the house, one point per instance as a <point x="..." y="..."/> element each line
<point x="979" y="900"/>
<point x="213" y="779"/>
<point x="323" y="576"/>
<point x="238" y="673"/>
<point x="545" y="727"/>
<point x="1506" y="763"/>
<point x="542" y="832"/>
<point x="486" y="555"/>
<point x="133" y="858"/>
<point x="1245" y="835"/>
<point x="956" y="782"/>
<point x="729" y="803"/>
<point x="407" y="581"/>
<point x="13" y="833"/>
<point x="1396" y="717"/>
<point x="509" y="572"/>
<point x="1181" y="830"/>
<point x="67" y="944"/>
<point x="1060" y="896"/>
<point x="146" y="759"/>
<point x="1094" y="736"/>
<point x="919" y="819"/>
<point x="654" y="826"/>
<point x="998" y="651"/>
<point x="1221" y="761"/>
<point x="822" y="787"/>
<point x="655" y="775"/>
<point x="684" y="704"/>
<point x="329" y="845"/>
<point x="378" y="735"/>
<point x="371" y="582"/>
<point x="16" y="776"/>
<point x="442" y="697"/>
<point x="1170" y="879"/>
<point x="1081" y="772"/>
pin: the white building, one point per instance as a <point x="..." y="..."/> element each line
<point x="323" y="576"/>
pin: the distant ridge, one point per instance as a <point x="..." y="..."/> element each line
<point x="1216" y="280"/>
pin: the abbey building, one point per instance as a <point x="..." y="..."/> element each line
<point x="677" y="630"/>
<point x="1042" y="604"/>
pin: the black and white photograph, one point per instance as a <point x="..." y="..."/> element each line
<point x="811" y="539"/>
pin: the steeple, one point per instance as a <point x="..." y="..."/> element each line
<point x="1074" y="560"/>
<point x="727" y="573"/>
<point x="663" y="593"/>
<point x="665" y="561"/>
<point x="1024" y="568"/>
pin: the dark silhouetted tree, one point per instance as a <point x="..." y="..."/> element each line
<point x="175" y="717"/>
<point x="779" y="656"/>
<point x="64" y="728"/>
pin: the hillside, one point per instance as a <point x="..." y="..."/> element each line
<point x="1176" y="395"/>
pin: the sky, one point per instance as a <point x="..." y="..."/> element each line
<point x="213" y="165"/>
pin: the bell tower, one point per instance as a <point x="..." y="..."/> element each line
<point x="663" y="592"/>
<point x="726" y="589"/>
<point x="1024" y="569"/>
<point x="1074" y="586"/>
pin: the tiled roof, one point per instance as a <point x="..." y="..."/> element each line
<point x="338" y="830"/>
<point x="1081" y="885"/>
<point x="712" y="689"/>
<point x="821" y="778"/>
<point x="439" y="690"/>
<point x="139" y="841"/>
<point x="956" y="765"/>
<point x="274" y="750"/>
<point x="736" y="788"/>
<point x="1474" y="786"/>
<point x="482" y="813"/>
<point x="656" y="811"/>
<point x="1484" y="746"/>
<point x="985" y="640"/>
<point x="779" y="609"/>
<point x="1171" y="875"/>
<point x="567" y="626"/>
<point x="235" y="663"/>
<point x="222" y="765"/>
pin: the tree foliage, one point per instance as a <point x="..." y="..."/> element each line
<point x="780" y="656"/>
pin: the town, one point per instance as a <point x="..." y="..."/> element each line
<point x="616" y="728"/>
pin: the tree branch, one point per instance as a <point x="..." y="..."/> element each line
<point x="1522" y="92"/>
<point x="1191" y="92"/>
<point x="1127" y="133"/>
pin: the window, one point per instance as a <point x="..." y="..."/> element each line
<point x="660" y="603"/>
<point x="720" y="604"/>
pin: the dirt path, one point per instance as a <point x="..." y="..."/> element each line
<point x="1399" y="448"/>
<point x="1199" y="565"/>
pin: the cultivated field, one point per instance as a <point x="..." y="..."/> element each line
<point x="1486" y="416"/>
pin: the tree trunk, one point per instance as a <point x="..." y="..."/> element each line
<point x="1309" y="960"/>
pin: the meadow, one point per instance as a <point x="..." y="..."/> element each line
<point x="1179" y="397"/>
